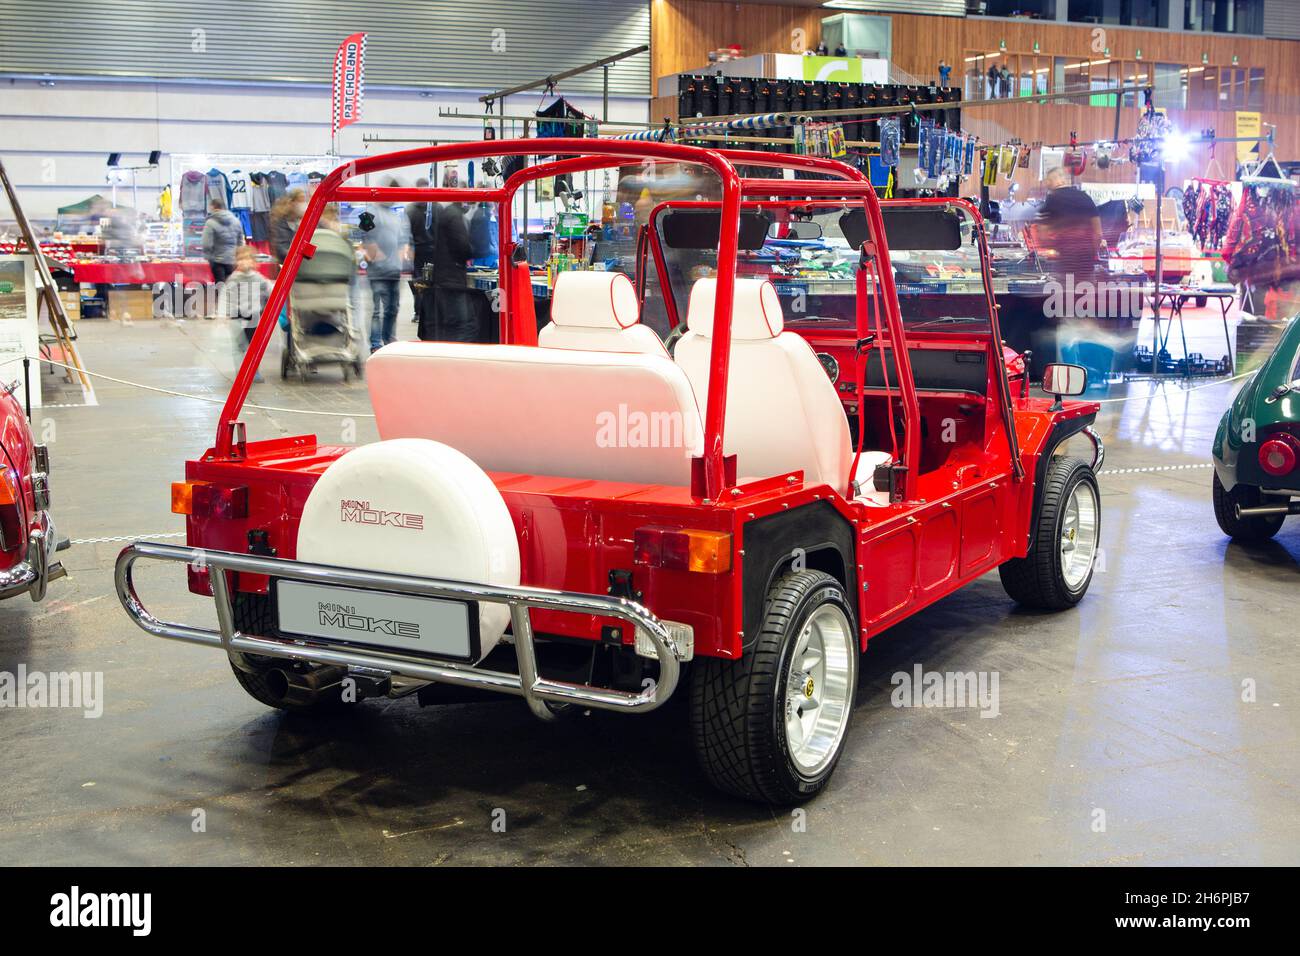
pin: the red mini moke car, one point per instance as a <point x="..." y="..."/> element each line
<point x="27" y="538"/>
<point x="588" y="515"/>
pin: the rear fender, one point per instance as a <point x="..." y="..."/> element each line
<point x="814" y="535"/>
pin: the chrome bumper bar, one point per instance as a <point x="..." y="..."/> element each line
<point x="38" y="569"/>
<point x="536" y="690"/>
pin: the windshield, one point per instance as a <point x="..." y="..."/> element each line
<point x="809" y="251"/>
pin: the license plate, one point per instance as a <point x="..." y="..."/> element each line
<point x="423" y="626"/>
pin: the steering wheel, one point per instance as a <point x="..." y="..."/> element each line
<point x="670" y="343"/>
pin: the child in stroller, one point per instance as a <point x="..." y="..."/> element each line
<point x="320" y="328"/>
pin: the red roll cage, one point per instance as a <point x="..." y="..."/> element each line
<point x="586" y="155"/>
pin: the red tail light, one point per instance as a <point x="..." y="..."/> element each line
<point x="1277" y="457"/>
<point x="683" y="550"/>
<point x="11" y="522"/>
<point x="202" y="499"/>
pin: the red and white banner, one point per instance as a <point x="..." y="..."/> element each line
<point x="349" y="81"/>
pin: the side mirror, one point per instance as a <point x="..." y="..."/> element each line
<point x="1061" y="380"/>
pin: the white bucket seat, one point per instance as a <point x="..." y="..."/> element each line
<point x="598" y="311"/>
<point x="783" y="413"/>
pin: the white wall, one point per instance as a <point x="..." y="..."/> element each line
<point x="56" y="138"/>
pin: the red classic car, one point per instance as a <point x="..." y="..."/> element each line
<point x="589" y="515"/>
<point x="27" y="538"/>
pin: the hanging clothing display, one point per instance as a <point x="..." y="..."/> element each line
<point x="1263" y="237"/>
<point x="218" y="187"/>
<point x="238" y="184"/>
<point x="277" y="184"/>
<point x="194" y="192"/>
<point x="1207" y="208"/>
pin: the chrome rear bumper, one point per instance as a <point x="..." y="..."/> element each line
<point x="38" y="569"/>
<point x="536" y="690"/>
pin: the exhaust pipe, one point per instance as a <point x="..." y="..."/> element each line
<point x="304" y="687"/>
<point x="1264" y="511"/>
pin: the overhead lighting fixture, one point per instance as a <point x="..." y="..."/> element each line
<point x="1176" y="148"/>
<point x="114" y="159"/>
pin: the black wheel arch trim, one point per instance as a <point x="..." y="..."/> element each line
<point x="1062" y="430"/>
<point x="823" y="535"/>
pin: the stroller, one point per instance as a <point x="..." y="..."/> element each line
<point x="320" y="311"/>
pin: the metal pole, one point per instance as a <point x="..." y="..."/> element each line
<point x="1160" y="270"/>
<point x="605" y="92"/>
<point x="27" y="386"/>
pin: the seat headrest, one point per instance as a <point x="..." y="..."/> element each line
<point x="756" y="313"/>
<point x="594" y="300"/>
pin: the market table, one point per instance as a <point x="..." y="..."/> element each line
<point x="152" y="272"/>
<point x="1177" y="296"/>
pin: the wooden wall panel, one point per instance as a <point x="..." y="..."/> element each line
<point x="684" y="31"/>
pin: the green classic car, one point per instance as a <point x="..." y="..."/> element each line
<point x="1257" y="447"/>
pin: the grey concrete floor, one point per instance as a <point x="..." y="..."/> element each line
<point x="1123" y="736"/>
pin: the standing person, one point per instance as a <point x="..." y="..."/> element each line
<point x="246" y="293"/>
<point x="449" y="315"/>
<point x="944" y="72"/>
<point x="419" y="218"/>
<point x="286" y="214"/>
<point x="994" y="77"/>
<point x="1069" y="230"/>
<point x="1006" y="82"/>
<point x="222" y="235"/>
<point x="383" y="252"/>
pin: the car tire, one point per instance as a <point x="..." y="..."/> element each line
<point x="1258" y="528"/>
<point x="255" y="615"/>
<point x="1056" y="572"/>
<point x="742" y="711"/>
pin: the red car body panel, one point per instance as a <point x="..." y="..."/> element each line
<point x="26" y="529"/>
<point x="16" y="447"/>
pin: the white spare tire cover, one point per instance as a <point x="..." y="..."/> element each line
<point x="414" y="506"/>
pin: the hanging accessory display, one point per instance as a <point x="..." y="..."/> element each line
<point x="890" y="141"/>
<point x="1152" y="129"/>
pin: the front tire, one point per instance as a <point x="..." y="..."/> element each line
<point x="771" y="726"/>
<point x="1258" y="528"/>
<point x="1056" y="573"/>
